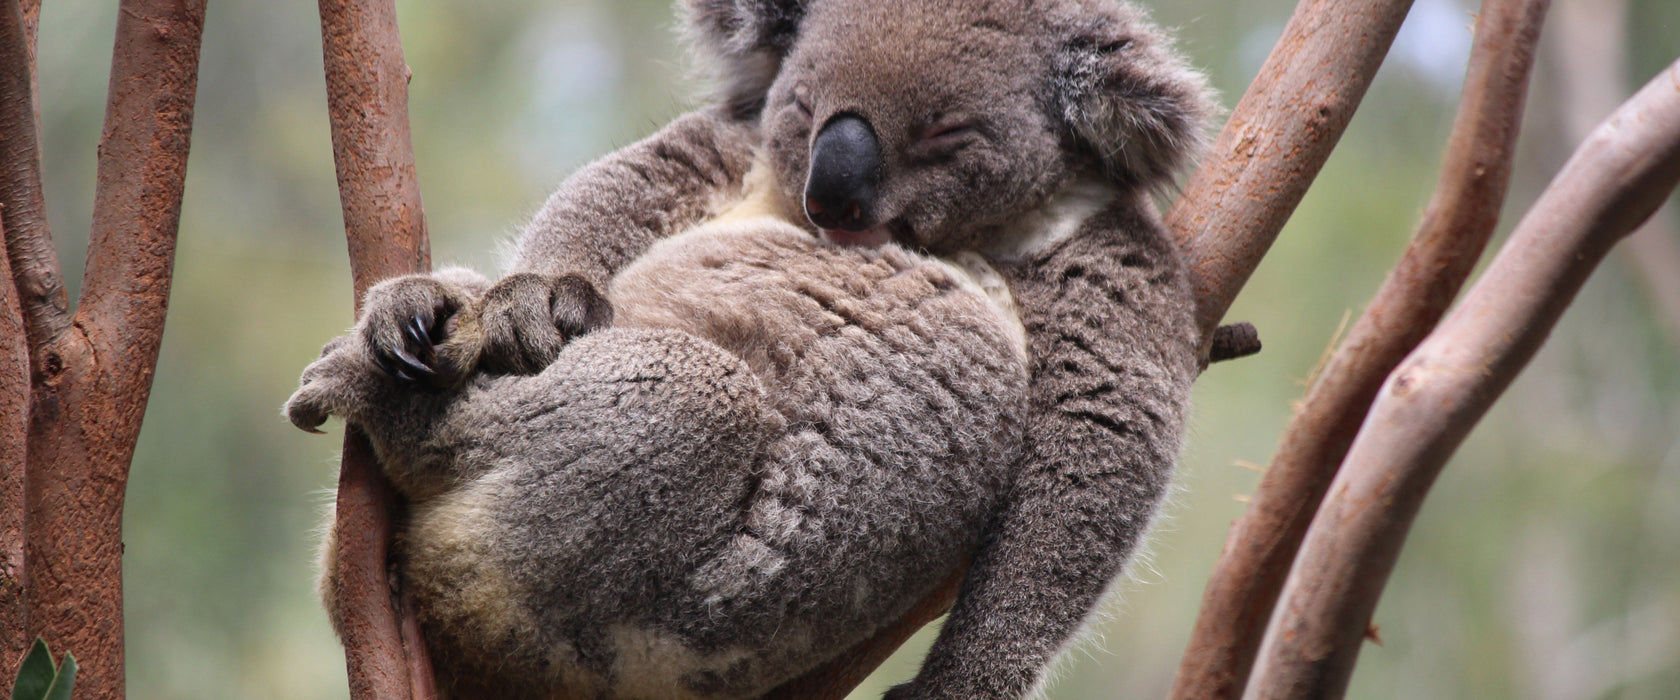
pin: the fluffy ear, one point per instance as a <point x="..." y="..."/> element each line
<point x="1125" y="94"/>
<point x="742" y="42"/>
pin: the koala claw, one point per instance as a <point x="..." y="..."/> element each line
<point x="410" y="330"/>
<point x="413" y="359"/>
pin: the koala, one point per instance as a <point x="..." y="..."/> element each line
<point x="692" y="502"/>
<point x="753" y="511"/>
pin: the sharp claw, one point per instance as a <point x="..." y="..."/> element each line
<point x="400" y="374"/>
<point x="415" y="331"/>
<point x="412" y="363"/>
<point x="420" y="341"/>
<point x="314" y="431"/>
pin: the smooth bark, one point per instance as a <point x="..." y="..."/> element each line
<point x="1461" y="217"/>
<point x="1275" y="142"/>
<point x="1615" y="180"/>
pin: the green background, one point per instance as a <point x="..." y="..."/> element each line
<point x="1546" y="563"/>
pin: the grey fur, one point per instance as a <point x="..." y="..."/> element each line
<point x="714" y="478"/>
<point x="1074" y="111"/>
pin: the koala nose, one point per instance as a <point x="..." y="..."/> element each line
<point x="845" y="165"/>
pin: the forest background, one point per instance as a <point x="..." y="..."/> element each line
<point x="1545" y="565"/>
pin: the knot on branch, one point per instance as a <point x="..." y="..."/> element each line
<point x="1233" y="341"/>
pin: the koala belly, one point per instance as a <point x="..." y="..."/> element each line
<point x="861" y="413"/>
<point x="901" y="384"/>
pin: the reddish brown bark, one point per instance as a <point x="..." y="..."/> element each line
<point x="29" y="246"/>
<point x="1460" y="219"/>
<point x="1277" y="139"/>
<point x="14" y="443"/>
<point x="1622" y="173"/>
<point x="367" y="96"/>
<point x="19" y="181"/>
<point x="92" y="377"/>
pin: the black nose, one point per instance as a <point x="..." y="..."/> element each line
<point x="845" y="166"/>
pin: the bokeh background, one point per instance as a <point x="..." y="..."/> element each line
<point x="1546" y="564"/>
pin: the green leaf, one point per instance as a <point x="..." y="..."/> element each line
<point x="66" y="678"/>
<point x="35" y="675"/>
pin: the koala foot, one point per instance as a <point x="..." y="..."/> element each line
<point x="422" y="331"/>
<point x="528" y="317"/>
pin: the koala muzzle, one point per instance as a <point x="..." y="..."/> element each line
<point x="840" y="192"/>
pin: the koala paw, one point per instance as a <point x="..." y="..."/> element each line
<point x="328" y="385"/>
<point x="528" y="317"/>
<point x="421" y="331"/>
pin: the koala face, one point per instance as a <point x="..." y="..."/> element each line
<point x="915" y="124"/>
<point x="934" y="122"/>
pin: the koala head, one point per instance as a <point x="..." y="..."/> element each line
<point x="933" y="122"/>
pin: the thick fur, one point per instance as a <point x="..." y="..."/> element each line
<point x="693" y="503"/>
<point x="1028" y="134"/>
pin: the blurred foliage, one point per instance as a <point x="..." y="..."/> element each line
<point x="1546" y="564"/>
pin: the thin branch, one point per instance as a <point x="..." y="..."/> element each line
<point x="29" y="245"/>
<point x="14" y="460"/>
<point x="1278" y="137"/>
<point x="367" y="96"/>
<point x="31" y="31"/>
<point x="1455" y="228"/>
<point x="92" y="382"/>
<point x="1621" y="174"/>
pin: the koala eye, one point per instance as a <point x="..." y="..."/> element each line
<point x="950" y="134"/>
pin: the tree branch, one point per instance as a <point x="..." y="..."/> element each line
<point x="1460" y="219"/>
<point x="367" y="96"/>
<point x="1276" y="141"/>
<point x="1621" y="174"/>
<point x="92" y="381"/>
<point x="14" y="460"/>
<point x="29" y="246"/>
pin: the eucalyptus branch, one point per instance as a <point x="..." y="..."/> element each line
<point x="1460" y="219"/>
<point x="1275" y="142"/>
<point x="1614" y="181"/>
<point x="29" y="246"/>
<point x="14" y="463"/>
<point x="92" y="379"/>
<point x="384" y="222"/>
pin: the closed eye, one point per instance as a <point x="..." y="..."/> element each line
<point x="950" y="134"/>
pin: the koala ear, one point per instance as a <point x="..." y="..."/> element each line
<point x="1126" y="95"/>
<point x="742" y="42"/>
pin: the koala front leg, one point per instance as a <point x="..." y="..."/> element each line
<point x="1110" y="321"/>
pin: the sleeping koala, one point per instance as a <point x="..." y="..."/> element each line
<point x="1028" y="135"/>
<point x="778" y="446"/>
